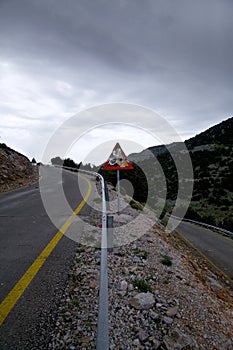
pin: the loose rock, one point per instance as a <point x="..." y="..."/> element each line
<point x="143" y="301"/>
<point x="177" y="340"/>
<point x="172" y="311"/>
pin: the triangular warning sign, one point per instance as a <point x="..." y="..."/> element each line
<point x="117" y="160"/>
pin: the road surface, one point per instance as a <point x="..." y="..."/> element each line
<point x="217" y="248"/>
<point x="25" y="230"/>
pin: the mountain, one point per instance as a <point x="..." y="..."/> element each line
<point x="211" y="153"/>
<point x="153" y="151"/>
<point x="147" y="153"/>
<point x="219" y="134"/>
<point x="16" y="169"/>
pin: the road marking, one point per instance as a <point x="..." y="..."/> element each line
<point x="14" y="295"/>
<point x="203" y="255"/>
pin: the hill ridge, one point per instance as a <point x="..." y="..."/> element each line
<point x="211" y="153"/>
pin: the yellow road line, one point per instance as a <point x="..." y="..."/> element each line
<point x="204" y="256"/>
<point x="14" y="295"/>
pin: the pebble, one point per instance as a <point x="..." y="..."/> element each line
<point x="214" y="284"/>
<point x="123" y="285"/>
<point x="136" y="342"/>
<point x="172" y="311"/>
<point x="168" y="320"/>
<point x="143" y="336"/>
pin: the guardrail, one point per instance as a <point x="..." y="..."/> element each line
<point x="102" y="342"/>
<point x="226" y="232"/>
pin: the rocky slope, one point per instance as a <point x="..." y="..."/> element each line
<point x="15" y="169"/>
<point x="161" y="296"/>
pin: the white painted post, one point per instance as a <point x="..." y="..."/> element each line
<point x="118" y="191"/>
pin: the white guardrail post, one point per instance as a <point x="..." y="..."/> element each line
<point x="102" y="329"/>
<point x="102" y="342"/>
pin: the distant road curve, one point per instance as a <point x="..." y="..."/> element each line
<point x="219" y="229"/>
<point x="215" y="247"/>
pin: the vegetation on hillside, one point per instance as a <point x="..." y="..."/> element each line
<point x="211" y="153"/>
<point x="155" y="180"/>
<point x="136" y="177"/>
<point x="64" y="162"/>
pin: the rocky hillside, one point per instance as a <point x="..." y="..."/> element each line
<point x="161" y="295"/>
<point x="15" y="169"/>
<point x="211" y="153"/>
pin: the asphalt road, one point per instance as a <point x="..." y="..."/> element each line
<point x="217" y="248"/>
<point x="25" y="230"/>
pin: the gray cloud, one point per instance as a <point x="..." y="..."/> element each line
<point x="173" y="56"/>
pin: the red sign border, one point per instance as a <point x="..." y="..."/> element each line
<point x="107" y="166"/>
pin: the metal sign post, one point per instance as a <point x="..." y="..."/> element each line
<point x="118" y="161"/>
<point x="118" y="192"/>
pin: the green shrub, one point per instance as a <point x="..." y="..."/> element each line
<point x="142" y="285"/>
<point x="75" y="302"/>
<point x="166" y="261"/>
<point x="141" y="253"/>
<point x="135" y="205"/>
<point x="166" y="281"/>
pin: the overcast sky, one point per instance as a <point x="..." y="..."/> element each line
<point x="60" y="57"/>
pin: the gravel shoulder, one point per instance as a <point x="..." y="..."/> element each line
<point x="161" y="296"/>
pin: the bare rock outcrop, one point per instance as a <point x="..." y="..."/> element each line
<point x="16" y="169"/>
